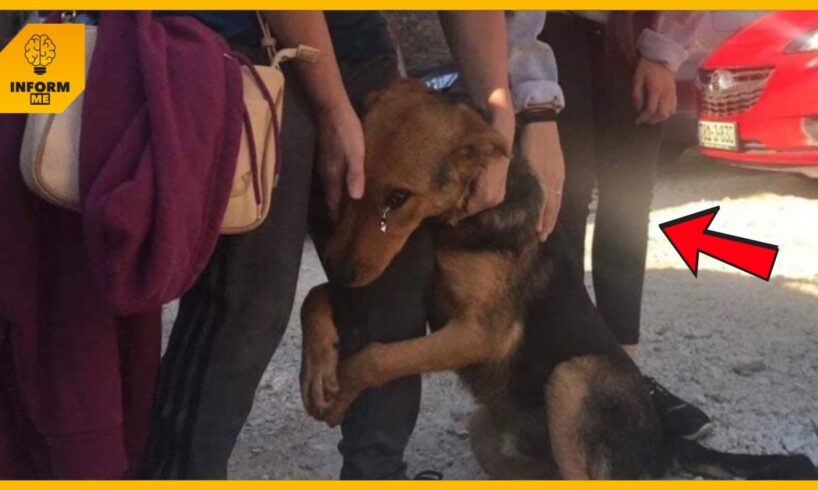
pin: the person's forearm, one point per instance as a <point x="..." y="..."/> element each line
<point x="532" y="67"/>
<point x="322" y="79"/>
<point x="680" y="26"/>
<point x="674" y="34"/>
<point x="479" y="47"/>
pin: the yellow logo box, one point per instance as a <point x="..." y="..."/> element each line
<point x="42" y="70"/>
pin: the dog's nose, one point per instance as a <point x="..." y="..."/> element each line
<point x="343" y="273"/>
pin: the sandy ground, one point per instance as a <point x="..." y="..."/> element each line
<point x="743" y="349"/>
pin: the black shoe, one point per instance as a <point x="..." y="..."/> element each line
<point x="429" y="475"/>
<point x="679" y="417"/>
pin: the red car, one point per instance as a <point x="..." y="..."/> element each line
<point x="758" y="95"/>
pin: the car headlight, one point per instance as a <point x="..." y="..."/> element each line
<point x="807" y="42"/>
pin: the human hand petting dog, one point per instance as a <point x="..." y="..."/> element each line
<point x="540" y="144"/>
<point x="340" y="159"/>
<point x="654" y="92"/>
<point x="490" y="186"/>
<point x="483" y="70"/>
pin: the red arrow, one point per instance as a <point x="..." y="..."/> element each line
<point x="689" y="235"/>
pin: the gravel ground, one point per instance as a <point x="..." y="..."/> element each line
<point x="741" y="348"/>
<point x="420" y="37"/>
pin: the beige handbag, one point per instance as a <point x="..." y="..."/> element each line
<point x="259" y="160"/>
<point x="49" y="157"/>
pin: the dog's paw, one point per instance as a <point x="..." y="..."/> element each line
<point x="319" y="378"/>
<point x="355" y="374"/>
<point x="335" y="413"/>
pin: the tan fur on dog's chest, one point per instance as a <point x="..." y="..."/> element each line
<point x="473" y="282"/>
<point x="479" y="286"/>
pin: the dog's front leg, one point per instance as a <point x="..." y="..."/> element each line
<point x="462" y="342"/>
<point x="319" y="352"/>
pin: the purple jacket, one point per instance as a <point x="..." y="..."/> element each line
<point x="80" y="295"/>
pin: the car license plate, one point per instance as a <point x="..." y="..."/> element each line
<point x="720" y="135"/>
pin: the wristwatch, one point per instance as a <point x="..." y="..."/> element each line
<point x="537" y="113"/>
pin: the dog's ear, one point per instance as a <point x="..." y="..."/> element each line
<point x="477" y="149"/>
<point x="480" y="142"/>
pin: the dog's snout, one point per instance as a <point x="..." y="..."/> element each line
<point x="343" y="273"/>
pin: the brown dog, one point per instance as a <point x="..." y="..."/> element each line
<point x="557" y="395"/>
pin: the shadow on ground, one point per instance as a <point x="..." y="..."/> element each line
<point x="716" y="180"/>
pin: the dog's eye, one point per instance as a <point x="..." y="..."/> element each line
<point x="397" y="199"/>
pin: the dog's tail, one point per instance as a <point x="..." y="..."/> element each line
<point x="694" y="458"/>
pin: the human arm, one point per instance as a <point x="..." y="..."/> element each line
<point x="535" y="86"/>
<point x="662" y="50"/>
<point x="484" y="71"/>
<point x="540" y="145"/>
<point x="340" y="159"/>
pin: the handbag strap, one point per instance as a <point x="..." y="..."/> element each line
<point x="268" y="42"/>
<point x="251" y="140"/>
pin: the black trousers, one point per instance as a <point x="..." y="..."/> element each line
<point x="231" y="322"/>
<point x="603" y="148"/>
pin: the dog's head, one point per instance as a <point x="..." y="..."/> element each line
<point x="423" y="154"/>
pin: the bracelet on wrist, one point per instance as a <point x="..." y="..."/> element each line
<point x="536" y="114"/>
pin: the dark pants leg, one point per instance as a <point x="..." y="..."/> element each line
<point x="627" y="156"/>
<point x="231" y="322"/>
<point x="379" y="423"/>
<point x="604" y="147"/>
<point x="571" y="39"/>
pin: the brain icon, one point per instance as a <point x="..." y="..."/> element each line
<point x="40" y="52"/>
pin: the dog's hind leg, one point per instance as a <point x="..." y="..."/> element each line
<point x="565" y="395"/>
<point x="600" y="423"/>
<point x="510" y="445"/>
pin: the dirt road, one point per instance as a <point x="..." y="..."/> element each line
<point x="743" y="349"/>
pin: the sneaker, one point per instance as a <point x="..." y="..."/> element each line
<point x="429" y="475"/>
<point x="679" y="417"/>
